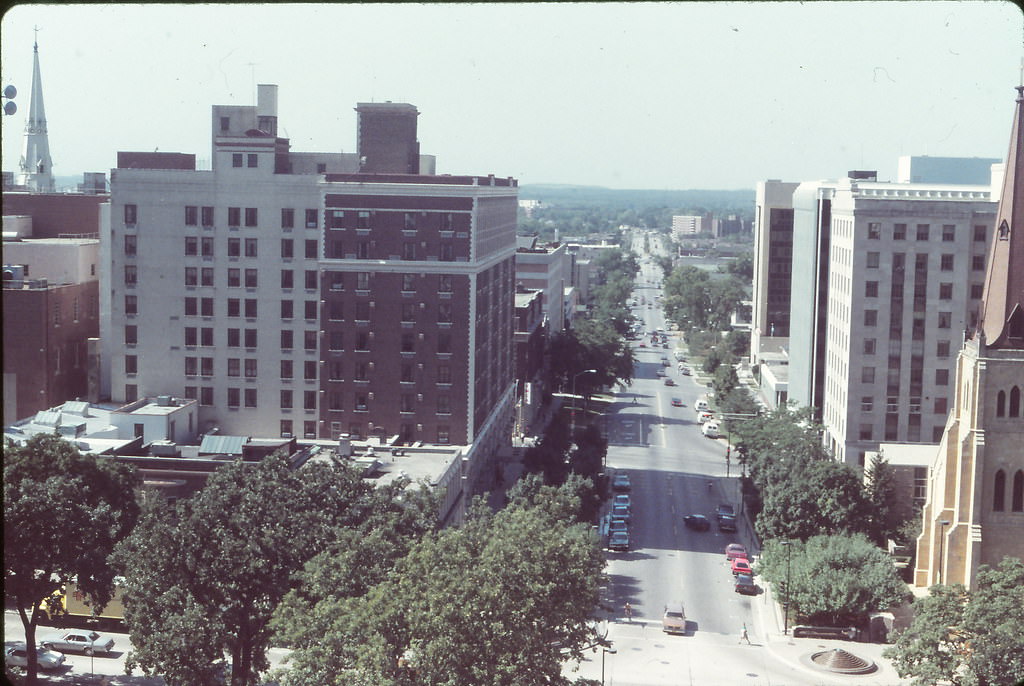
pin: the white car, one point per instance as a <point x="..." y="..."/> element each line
<point x="78" y="641"/>
<point x="710" y="429"/>
<point x="17" y="656"/>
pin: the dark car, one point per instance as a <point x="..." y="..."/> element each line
<point x="621" y="482"/>
<point x="745" y="584"/>
<point x="726" y="523"/>
<point x="618" y="541"/>
<point x="698" y="522"/>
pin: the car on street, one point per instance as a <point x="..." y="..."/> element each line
<point x="674" y="621"/>
<point x="705" y="416"/>
<point x="697" y="522"/>
<point x="725" y="510"/>
<point x="745" y="584"/>
<point x="727" y="523"/>
<point x="643" y="345"/>
<point x="16" y="655"/>
<point x="616" y="524"/>
<point x="710" y="429"/>
<point x="685" y="371"/>
<point x="669" y="381"/>
<point x="620" y="512"/>
<point x="734" y="550"/>
<point x="77" y="641"/>
<point x="677" y="402"/>
<point x="620" y="482"/>
<point x="660" y="371"/>
<point x="622" y="499"/>
<point x="618" y="541"/>
<point x="741" y="565"/>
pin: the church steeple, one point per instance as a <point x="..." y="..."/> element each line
<point x="36" y="170"/>
<point x="1001" y="319"/>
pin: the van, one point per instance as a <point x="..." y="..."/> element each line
<point x="710" y="429"/>
<point x="701" y="406"/>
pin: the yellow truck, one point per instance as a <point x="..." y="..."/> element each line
<point x="75" y="608"/>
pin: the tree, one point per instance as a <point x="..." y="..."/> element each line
<point x="832" y="580"/>
<point x="966" y="637"/>
<point x="504" y="599"/>
<point x="725" y="380"/>
<point x="63" y="514"/>
<point x="778" y="444"/>
<point x="888" y="512"/>
<point x="824" y="497"/>
<point x="212" y="571"/>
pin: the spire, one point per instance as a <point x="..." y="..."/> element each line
<point x="36" y="165"/>
<point x="1001" y="319"/>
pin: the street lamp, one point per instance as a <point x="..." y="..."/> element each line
<point x="942" y="526"/>
<point x="572" y="422"/>
<point x="785" y="606"/>
<point x="605" y="651"/>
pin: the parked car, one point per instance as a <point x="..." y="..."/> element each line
<point x="705" y="416"/>
<point x="621" y="482"/>
<point x="745" y="584"/>
<point x="16" y="655"/>
<point x="727" y="523"/>
<point x="78" y="641"/>
<point x="677" y="402"/>
<point x="710" y="429"/>
<point x="696" y="521"/>
<point x="725" y="510"/>
<point x="741" y="565"/>
<point x="617" y="524"/>
<point x="660" y="371"/>
<point x="618" y="541"/>
<point x="669" y="381"/>
<point x="734" y="550"/>
<point x="674" y="621"/>
<point x="620" y="512"/>
<point x="685" y="371"/>
<point x="622" y="499"/>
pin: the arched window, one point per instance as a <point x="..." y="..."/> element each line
<point x="1017" y="503"/>
<point x="1015" y="401"/>
<point x="1001" y="404"/>
<point x="999" y="492"/>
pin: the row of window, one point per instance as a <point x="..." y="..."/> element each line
<point x="943" y="319"/>
<point x="922" y="232"/>
<point x="947" y="261"/>
<point x="1016" y="495"/>
<point x="361" y="371"/>
<point x="204" y="216"/>
<point x="867" y="404"/>
<point x="945" y="290"/>
<point x="1014" y="407"/>
<point x="203" y="366"/>
<point x="411" y="250"/>
<point x="407" y="402"/>
<point x="867" y="433"/>
<point x="867" y="375"/>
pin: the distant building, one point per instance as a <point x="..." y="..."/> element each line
<point x="974" y="514"/>
<point x="773" y="263"/>
<point x="959" y="170"/>
<point x="687" y="226"/>
<point x="531" y="337"/>
<point x="547" y="268"/>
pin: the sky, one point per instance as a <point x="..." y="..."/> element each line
<point x="624" y="95"/>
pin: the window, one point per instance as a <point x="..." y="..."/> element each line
<point x="206" y="336"/>
<point x="336" y="249"/>
<point x="978" y="263"/>
<point x="310" y="307"/>
<point x="942" y="349"/>
<point x="922" y="232"/>
<point x="286" y="399"/>
<point x="335" y="310"/>
<point x="872" y="260"/>
<point x="286" y="369"/>
<point x="131" y="275"/>
<point x="287" y="217"/>
<point x="337" y="281"/>
<point x="447" y="252"/>
<point x="250" y="368"/>
<point x="999" y="491"/>
<point x="444" y="313"/>
<point x="191" y="366"/>
<point x="447" y="221"/>
<point x="443" y="435"/>
<point x="867" y="375"/>
<point x="899" y="232"/>
<point x="251" y="248"/>
<point x="234" y="338"/>
<point x="334" y="372"/>
<point x="287" y="342"/>
<point x="410" y="221"/>
<point x="309" y="400"/>
<point x="941" y="377"/>
<point x="251" y="308"/>
<point x="287" y="248"/>
<point x="309" y="370"/>
<point x="225" y="123"/>
<point x="334" y="404"/>
<point x="870" y="317"/>
<point x="311" y="219"/>
<point x="131" y="244"/>
<point x="236" y="159"/>
<point x="286" y="309"/>
<point x="945" y="320"/>
<point x="977" y="291"/>
<point x="940" y="406"/>
<point x="234" y="397"/>
<point x="206" y="276"/>
<point x="408" y="343"/>
<point x="206" y="307"/>
<point x="408" y="312"/>
<point x="287" y="278"/>
<point x="409" y="283"/>
<point x="309" y="428"/>
<point x="360" y="372"/>
<point x="131" y="215"/>
<point x="363" y="220"/>
<point x="250" y="397"/>
<point x="206" y="366"/>
<point x="946" y="264"/>
<point x="234" y="216"/>
<point x="1017" y="497"/>
<point x="309" y="340"/>
<point x="444" y="405"/>
<point x="251" y="278"/>
<point x="336" y="340"/>
<point x="207" y="216"/>
<point x="131" y="364"/>
<point x="234" y="368"/>
<point x="336" y="218"/>
<point x="363" y="250"/>
<point x="444" y="284"/>
<point x="945" y="291"/>
<point x="980" y="234"/>
<point x="191" y="245"/>
<point x="234" y="278"/>
<point x="869" y="346"/>
<point x="444" y="343"/>
<point x="250" y="216"/>
<point x="252" y="160"/>
<point x="286" y="428"/>
<point x="871" y="289"/>
<point x="408" y="374"/>
<point x="867" y="403"/>
<point x="311" y="249"/>
<point x="310" y="279"/>
<point x="874" y="230"/>
<point x="206" y="395"/>
<point x="362" y="311"/>
<point x="131" y="304"/>
<point x="948" y="233"/>
<point x="191" y="335"/>
<point x="192" y="276"/>
<point x="234" y="247"/>
<point x="362" y="341"/>
<point x="865" y="432"/>
<point x="362" y="281"/>
<point x="408" y="250"/>
<point x="250" y="338"/>
<point x="1015" y="401"/>
<point x="360" y="402"/>
<point x="406" y="403"/>
<point x="207" y="246"/>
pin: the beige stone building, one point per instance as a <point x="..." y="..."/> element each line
<point x="974" y="513"/>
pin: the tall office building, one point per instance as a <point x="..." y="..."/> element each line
<point x="773" y="243"/>
<point x="974" y="513"/>
<point x="294" y="294"/>
<point x="886" y="277"/>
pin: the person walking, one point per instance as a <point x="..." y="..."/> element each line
<point x="744" y="636"/>
<point x="627" y="609"/>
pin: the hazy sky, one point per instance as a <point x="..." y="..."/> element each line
<point x="631" y="95"/>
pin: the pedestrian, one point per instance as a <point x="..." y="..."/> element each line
<point x="743" y="635"/>
<point x="628" y="610"/>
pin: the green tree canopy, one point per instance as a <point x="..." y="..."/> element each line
<point x="967" y="638"/>
<point x="63" y="514"/>
<point x="823" y="497"/>
<point x="832" y="580"/>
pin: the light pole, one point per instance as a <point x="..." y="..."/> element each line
<point x="785" y="605"/>
<point x="943" y="523"/>
<point x="605" y="651"/>
<point x="572" y="422"/>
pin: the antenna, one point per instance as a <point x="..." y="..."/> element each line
<point x="35" y="40"/>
